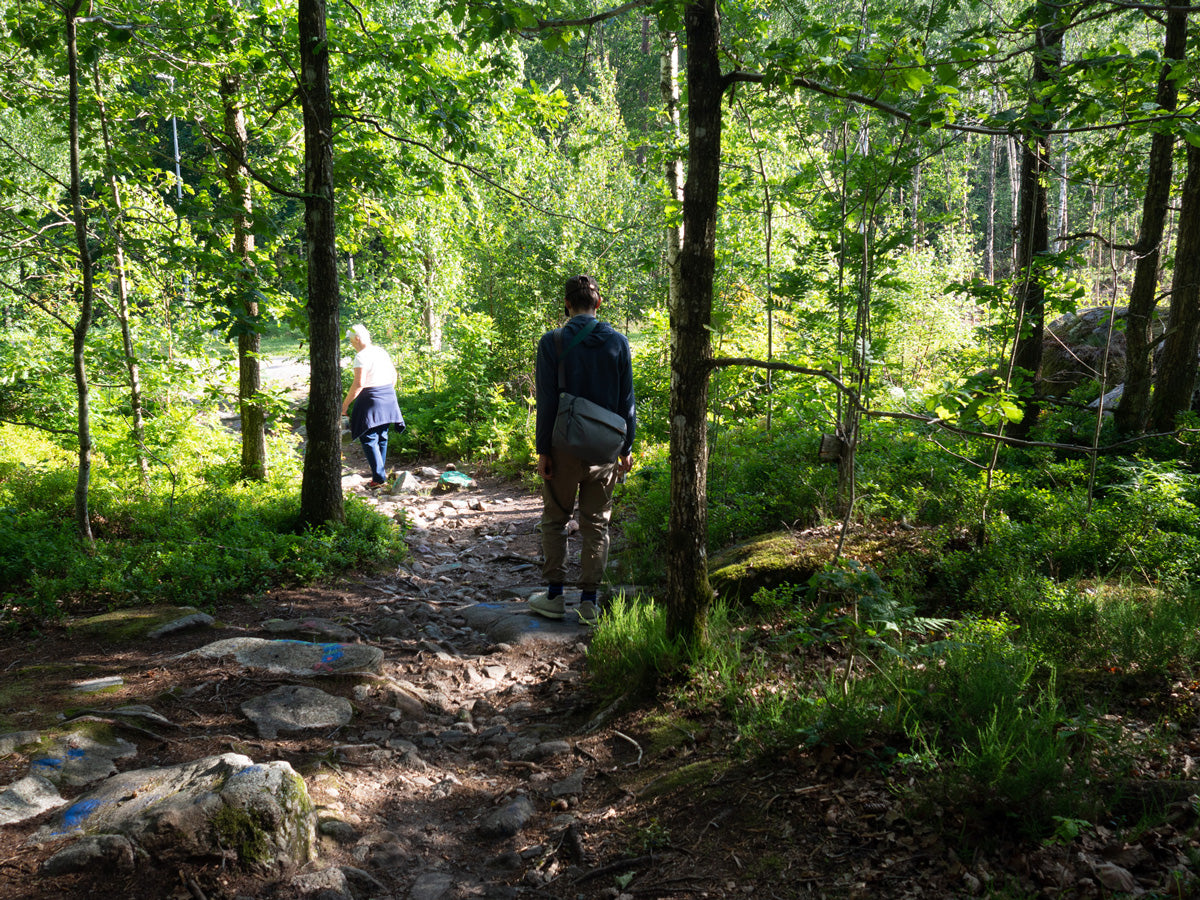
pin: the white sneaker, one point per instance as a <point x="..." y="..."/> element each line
<point x="547" y="606"/>
<point x="587" y="612"/>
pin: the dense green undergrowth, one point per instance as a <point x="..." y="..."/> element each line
<point x="999" y="662"/>
<point x="194" y="534"/>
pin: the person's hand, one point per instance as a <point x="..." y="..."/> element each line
<point x="545" y="466"/>
<point x="625" y="463"/>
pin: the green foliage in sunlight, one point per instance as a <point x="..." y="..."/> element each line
<point x="197" y="536"/>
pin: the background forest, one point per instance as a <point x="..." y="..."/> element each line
<point x="935" y="275"/>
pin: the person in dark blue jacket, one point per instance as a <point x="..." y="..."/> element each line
<point x="597" y="366"/>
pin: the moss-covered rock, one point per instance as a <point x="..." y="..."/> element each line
<point x="767" y="562"/>
<point x="137" y="624"/>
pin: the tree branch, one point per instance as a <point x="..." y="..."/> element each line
<point x="19" y="424"/>
<point x="852" y="396"/>
<point x="546" y="24"/>
<point x="480" y="174"/>
<point x="742" y="77"/>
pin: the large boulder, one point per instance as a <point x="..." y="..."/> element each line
<point x="767" y="561"/>
<point x="1073" y="348"/>
<point x="219" y="807"/>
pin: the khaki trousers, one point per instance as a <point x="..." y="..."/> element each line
<point x="594" y="486"/>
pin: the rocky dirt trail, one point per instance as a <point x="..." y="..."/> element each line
<point x="460" y="769"/>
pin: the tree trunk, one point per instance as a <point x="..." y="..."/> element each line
<point x="321" y="489"/>
<point x="250" y="406"/>
<point x="1177" y="369"/>
<point x="1033" y="227"/>
<point x="689" y="594"/>
<point x="122" y="311"/>
<point x="989" y="252"/>
<point x="433" y="318"/>
<point x="668" y="86"/>
<point x="83" y="521"/>
<point x="1130" y="415"/>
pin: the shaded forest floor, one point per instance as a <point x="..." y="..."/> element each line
<point x="645" y="799"/>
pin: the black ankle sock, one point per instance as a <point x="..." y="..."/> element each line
<point x="555" y="590"/>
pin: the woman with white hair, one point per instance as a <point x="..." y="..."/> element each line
<point x="376" y="408"/>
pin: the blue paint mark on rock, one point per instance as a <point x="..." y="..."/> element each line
<point x="77" y="814"/>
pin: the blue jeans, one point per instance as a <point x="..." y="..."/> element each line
<point x="374" y="442"/>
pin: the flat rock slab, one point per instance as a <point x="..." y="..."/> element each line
<point x="299" y="658"/>
<point x="78" y="758"/>
<point x="296" y="708"/>
<point x="513" y="623"/>
<point x="312" y="628"/>
<point x="205" y="808"/>
<point x="28" y="798"/>
<point x="137" y="624"/>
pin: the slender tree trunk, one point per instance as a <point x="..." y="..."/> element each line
<point x="1013" y="157"/>
<point x="122" y="311"/>
<point x="241" y="200"/>
<point x="1177" y="369"/>
<point x="1034" y="229"/>
<point x="668" y="86"/>
<point x="83" y="521"/>
<point x="1130" y="415"/>
<point x="321" y="489"/>
<point x="689" y="594"/>
<point x="433" y="320"/>
<point x="915" y="207"/>
<point x="989" y="253"/>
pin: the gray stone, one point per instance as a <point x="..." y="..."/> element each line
<point x="341" y="831"/>
<point x="509" y="819"/>
<point x="28" y="798"/>
<point x="98" y="851"/>
<point x="186" y="621"/>
<point x="327" y="884"/>
<point x="405" y="483"/>
<point x="550" y="750"/>
<point x="431" y="886"/>
<point x="295" y="708"/>
<point x="204" y="808"/>
<point x="310" y="628"/>
<point x="95" y="685"/>
<point x="76" y="758"/>
<point x="570" y="786"/>
<point x="299" y="658"/>
<point x="14" y="740"/>
<point x="363" y="883"/>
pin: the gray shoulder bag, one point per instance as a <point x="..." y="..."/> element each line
<point x="583" y="428"/>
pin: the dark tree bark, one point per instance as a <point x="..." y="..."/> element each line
<point x="253" y="413"/>
<point x="1033" y="226"/>
<point x="1130" y="415"/>
<point x="1177" y="369"/>
<point x="321" y="489"/>
<point x="83" y="521"/>
<point x="688" y="591"/>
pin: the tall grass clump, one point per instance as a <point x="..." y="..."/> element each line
<point x="630" y="652"/>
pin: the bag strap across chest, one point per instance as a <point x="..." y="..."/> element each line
<point x="562" y="354"/>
